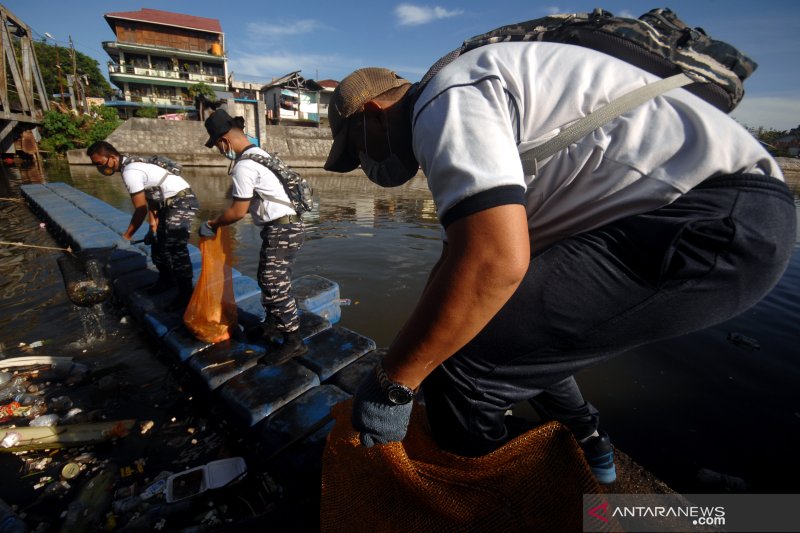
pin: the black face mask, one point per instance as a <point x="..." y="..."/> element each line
<point x="391" y="172"/>
<point x="105" y="169"/>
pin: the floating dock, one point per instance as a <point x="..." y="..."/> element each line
<point x="280" y="404"/>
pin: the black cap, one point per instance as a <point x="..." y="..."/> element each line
<point x="217" y="125"/>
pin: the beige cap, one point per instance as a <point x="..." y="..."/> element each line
<point x="349" y="98"/>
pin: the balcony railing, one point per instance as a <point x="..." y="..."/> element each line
<point x="166" y="74"/>
<point x="161" y="100"/>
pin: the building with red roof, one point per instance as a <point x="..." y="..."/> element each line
<point x="158" y="55"/>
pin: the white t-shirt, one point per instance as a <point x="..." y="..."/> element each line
<point x="481" y="111"/>
<point x="140" y="176"/>
<point x="255" y="182"/>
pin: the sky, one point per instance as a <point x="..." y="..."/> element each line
<point x="328" y="40"/>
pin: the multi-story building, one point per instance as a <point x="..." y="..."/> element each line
<point x="158" y="55"/>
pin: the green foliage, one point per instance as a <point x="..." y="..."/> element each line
<point x="149" y="111"/>
<point x="60" y="131"/>
<point x="49" y="57"/>
<point x="100" y="123"/>
<point x="67" y="131"/>
<point x="202" y="89"/>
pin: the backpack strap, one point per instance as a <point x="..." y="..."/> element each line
<point x="597" y="118"/>
<point x="161" y="181"/>
<point x="262" y="160"/>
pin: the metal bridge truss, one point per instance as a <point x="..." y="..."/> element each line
<point x="23" y="99"/>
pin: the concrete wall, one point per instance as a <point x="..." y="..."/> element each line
<point x="184" y="142"/>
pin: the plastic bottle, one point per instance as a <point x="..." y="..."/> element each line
<point x="18" y="385"/>
<point x="10" y="522"/>
<point x="5" y="377"/>
<point x="45" y="420"/>
<point x="28" y="399"/>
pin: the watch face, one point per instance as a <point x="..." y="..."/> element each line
<point x="399" y="395"/>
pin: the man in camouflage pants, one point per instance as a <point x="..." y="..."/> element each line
<point x="257" y="190"/>
<point x="169" y="204"/>
<point x="279" y="246"/>
<point x="169" y="250"/>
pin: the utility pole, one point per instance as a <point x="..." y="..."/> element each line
<point x="75" y="80"/>
<point x="58" y="67"/>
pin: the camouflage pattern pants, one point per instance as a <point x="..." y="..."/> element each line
<point x="280" y="244"/>
<point x="170" y="252"/>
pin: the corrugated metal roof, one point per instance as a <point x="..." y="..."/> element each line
<point x="155" y="16"/>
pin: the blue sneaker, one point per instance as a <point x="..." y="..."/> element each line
<point x="600" y="456"/>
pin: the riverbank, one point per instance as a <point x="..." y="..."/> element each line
<point x="184" y="141"/>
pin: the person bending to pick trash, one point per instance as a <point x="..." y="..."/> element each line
<point x="169" y="204"/>
<point x="258" y="190"/>
<point x="667" y="219"/>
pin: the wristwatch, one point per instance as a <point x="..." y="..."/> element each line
<point x="396" y="393"/>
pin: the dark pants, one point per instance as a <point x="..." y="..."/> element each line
<point x="170" y="252"/>
<point x="280" y="244"/>
<point x="697" y="262"/>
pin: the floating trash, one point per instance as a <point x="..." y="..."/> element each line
<point x="70" y="470"/>
<point x="45" y="420"/>
<point x="746" y="343"/>
<point x="10" y="439"/>
<point x="214" y="475"/>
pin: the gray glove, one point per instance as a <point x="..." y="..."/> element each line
<point x="206" y="230"/>
<point x="377" y="419"/>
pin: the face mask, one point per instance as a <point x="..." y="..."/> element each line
<point x="105" y="169"/>
<point x="229" y="153"/>
<point x="391" y="172"/>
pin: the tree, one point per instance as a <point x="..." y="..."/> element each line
<point x="149" y="111"/>
<point x="100" y="123"/>
<point x="60" y="131"/>
<point x="201" y="89"/>
<point x="203" y="95"/>
<point x="85" y="65"/>
<point x="66" y="131"/>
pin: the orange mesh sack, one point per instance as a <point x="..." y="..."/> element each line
<point x="533" y="483"/>
<point x="211" y="312"/>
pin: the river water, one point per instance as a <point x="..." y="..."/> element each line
<point x="697" y="402"/>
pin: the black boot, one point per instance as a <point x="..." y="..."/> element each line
<point x="292" y="346"/>
<point x="180" y="302"/>
<point x="263" y="330"/>
<point x="164" y="283"/>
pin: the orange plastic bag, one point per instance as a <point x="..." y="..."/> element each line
<point x="211" y="313"/>
<point x="536" y="482"/>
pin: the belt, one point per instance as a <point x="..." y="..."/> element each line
<point x="285" y="219"/>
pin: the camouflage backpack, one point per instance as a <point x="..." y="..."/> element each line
<point x="658" y="42"/>
<point x="299" y="191"/>
<point x="164" y="162"/>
